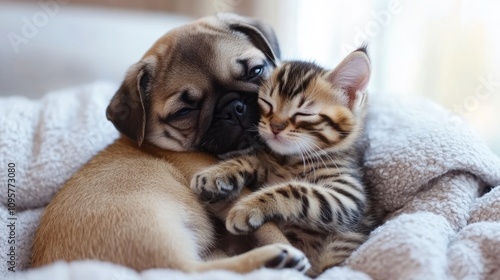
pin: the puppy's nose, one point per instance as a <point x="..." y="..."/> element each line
<point x="239" y="108"/>
<point x="278" y="127"/>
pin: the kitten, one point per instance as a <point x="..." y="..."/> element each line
<point x="307" y="177"/>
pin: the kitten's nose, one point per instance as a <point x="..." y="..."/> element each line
<point x="277" y="127"/>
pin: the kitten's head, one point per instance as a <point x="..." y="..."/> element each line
<point x="305" y="108"/>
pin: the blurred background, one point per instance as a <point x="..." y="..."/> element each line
<point x="446" y="50"/>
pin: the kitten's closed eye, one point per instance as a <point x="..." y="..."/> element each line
<point x="302" y="116"/>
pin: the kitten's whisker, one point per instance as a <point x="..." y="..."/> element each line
<point x="329" y="157"/>
<point x="316" y="155"/>
<point x="310" y="156"/>
<point x="302" y="156"/>
<point x="315" y="148"/>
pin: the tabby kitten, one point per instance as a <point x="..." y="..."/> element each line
<point x="306" y="177"/>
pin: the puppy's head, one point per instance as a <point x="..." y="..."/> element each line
<point x="196" y="88"/>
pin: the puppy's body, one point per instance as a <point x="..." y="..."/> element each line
<point x="131" y="204"/>
<point x="120" y="184"/>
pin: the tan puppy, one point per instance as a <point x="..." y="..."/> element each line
<point x="195" y="89"/>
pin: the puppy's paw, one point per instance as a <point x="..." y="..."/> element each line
<point x="243" y="219"/>
<point x="216" y="184"/>
<point x="286" y="256"/>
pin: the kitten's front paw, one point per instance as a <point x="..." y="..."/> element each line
<point x="243" y="219"/>
<point x="215" y="184"/>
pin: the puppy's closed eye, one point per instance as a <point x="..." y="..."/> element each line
<point x="181" y="115"/>
<point x="184" y="112"/>
<point x="191" y="108"/>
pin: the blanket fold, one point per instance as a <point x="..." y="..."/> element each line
<point x="427" y="169"/>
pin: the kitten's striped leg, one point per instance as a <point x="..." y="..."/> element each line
<point x="338" y="247"/>
<point x="332" y="206"/>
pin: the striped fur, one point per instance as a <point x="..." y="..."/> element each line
<point x="307" y="175"/>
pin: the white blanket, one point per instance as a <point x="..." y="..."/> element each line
<point x="426" y="167"/>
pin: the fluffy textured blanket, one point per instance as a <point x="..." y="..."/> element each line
<point x="426" y="167"/>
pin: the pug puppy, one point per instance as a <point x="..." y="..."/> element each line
<point x="194" y="90"/>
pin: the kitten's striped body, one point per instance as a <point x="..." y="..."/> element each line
<point x="307" y="177"/>
<point x="318" y="202"/>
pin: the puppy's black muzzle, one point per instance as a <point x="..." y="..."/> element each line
<point x="234" y="124"/>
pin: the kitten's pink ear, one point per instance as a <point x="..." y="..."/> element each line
<point x="352" y="75"/>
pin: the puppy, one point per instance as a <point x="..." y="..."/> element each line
<point x="194" y="90"/>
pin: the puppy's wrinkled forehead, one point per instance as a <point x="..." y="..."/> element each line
<point x="207" y="59"/>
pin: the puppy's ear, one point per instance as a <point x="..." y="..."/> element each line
<point x="259" y="33"/>
<point x="128" y="107"/>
